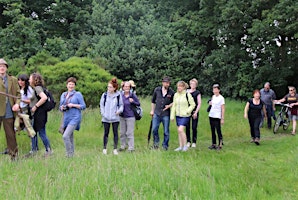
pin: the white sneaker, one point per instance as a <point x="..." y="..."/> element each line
<point x="178" y="149"/>
<point x="104" y="151"/>
<point x="188" y="144"/>
<point x="193" y="145"/>
<point x="185" y="148"/>
<point x="115" y="152"/>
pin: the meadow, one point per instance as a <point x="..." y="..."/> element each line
<point x="241" y="170"/>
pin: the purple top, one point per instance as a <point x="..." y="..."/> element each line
<point x="127" y="111"/>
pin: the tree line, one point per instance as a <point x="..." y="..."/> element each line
<point x="237" y="43"/>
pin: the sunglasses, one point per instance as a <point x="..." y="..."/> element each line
<point x="291" y="90"/>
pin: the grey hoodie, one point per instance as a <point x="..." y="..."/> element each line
<point x="109" y="109"/>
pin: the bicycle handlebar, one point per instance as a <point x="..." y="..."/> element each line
<point x="283" y="104"/>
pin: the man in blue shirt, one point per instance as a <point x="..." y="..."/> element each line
<point x="268" y="96"/>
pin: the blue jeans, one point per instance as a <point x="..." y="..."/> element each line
<point x="165" y="120"/>
<point x="270" y="113"/>
<point x="43" y="137"/>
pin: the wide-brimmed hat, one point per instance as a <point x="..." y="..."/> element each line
<point x="132" y="83"/>
<point x="2" y="61"/>
<point x="166" y="79"/>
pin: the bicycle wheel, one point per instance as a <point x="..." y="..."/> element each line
<point x="286" y="124"/>
<point x="277" y="124"/>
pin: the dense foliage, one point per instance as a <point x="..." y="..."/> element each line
<point x="240" y="44"/>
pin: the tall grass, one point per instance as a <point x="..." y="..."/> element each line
<point x="240" y="171"/>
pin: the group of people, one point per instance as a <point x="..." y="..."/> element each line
<point x="22" y="100"/>
<point x="262" y="106"/>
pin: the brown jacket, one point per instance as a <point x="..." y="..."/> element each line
<point x="13" y="89"/>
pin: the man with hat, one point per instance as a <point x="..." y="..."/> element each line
<point x="161" y="103"/>
<point x="9" y="103"/>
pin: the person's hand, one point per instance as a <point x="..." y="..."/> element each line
<point x="245" y="116"/>
<point x="15" y="107"/>
<point x="222" y="121"/>
<point x="151" y="113"/>
<point x="34" y="108"/>
<point x="195" y="115"/>
<point x="130" y="100"/>
<point x="166" y="107"/>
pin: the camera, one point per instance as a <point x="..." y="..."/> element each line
<point x="65" y="108"/>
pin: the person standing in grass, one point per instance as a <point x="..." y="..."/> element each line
<point x="268" y="96"/>
<point x="253" y="112"/>
<point x="24" y="114"/>
<point x="8" y="106"/>
<point x="127" y="119"/>
<point x="111" y="106"/>
<point x="193" y="83"/>
<point x="292" y="99"/>
<point x="40" y="115"/>
<point x="183" y="105"/>
<point x="216" y="116"/>
<point x="71" y="104"/>
<point x="161" y="103"/>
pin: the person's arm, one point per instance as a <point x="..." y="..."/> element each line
<point x="222" y="114"/>
<point x="195" y="114"/>
<point x="264" y="111"/>
<point x="246" y="110"/>
<point x="81" y="103"/>
<point x="42" y="100"/>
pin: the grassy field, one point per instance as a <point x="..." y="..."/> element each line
<point x="240" y="171"/>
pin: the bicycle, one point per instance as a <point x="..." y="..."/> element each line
<point x="282" y="118"/>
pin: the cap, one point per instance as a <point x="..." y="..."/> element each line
<point x="2" y="61"/>
<point x="166" y="79"/>
<point x="132" y="83"/>
<point x="215" y="86"/>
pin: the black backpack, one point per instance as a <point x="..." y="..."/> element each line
<point x="50" y="102"/>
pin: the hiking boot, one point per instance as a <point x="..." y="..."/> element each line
<point x="5" y="151"/>
<point x="212" y="147"/>
<point x="257" y="141"/>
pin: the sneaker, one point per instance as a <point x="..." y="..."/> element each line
<point x="185" y="148"/>
<point x="178" y="149"/>
<point x="30" y="154"/>
<point x="104" y="151"/>
<point x="115" y="152"/>
<point x="193" y="145"/>
<point x="48" y="153"/>
<point x="252" y="140"/>
<point x="188" y="144"/>
<point x="219" y="148"/>
<point x="212" y="147"/>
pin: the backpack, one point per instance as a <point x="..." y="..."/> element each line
<point x="137" y="110"/>
<point x="105" y="99"/>
<point x="50" y="103"/>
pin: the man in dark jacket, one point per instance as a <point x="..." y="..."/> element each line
<point x="161" y="103"/>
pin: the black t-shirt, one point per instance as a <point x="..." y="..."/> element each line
<point x="292" y="99"/>
<point x="161" y="101"/>
<point x="194" y="95"/>
<point x="255" y="110"/>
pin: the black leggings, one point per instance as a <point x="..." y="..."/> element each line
<point x="215" y="124"/>
<point x="254" y="123"/>
<point x="106" y="126"/>
<point x="194" y="128"/>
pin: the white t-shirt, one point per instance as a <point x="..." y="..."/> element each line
<point x="24" y="97"/>
<point x="217" y="102"/>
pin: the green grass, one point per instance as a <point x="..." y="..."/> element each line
<point x="240" y="171"/>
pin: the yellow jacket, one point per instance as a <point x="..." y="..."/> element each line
<point x="180" y="105"/>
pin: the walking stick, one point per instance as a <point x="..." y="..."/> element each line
<point x="9" y="95"/>
<point x="149" y="133"/>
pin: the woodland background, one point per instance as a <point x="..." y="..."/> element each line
<point x="238" y="43"/>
